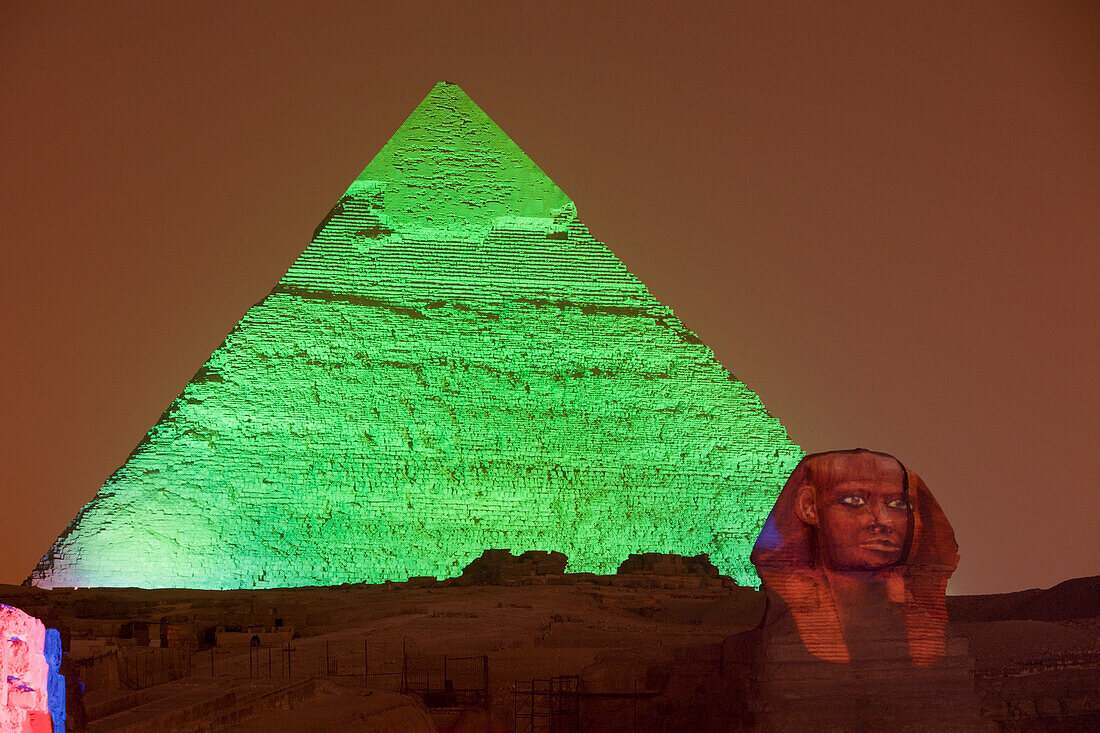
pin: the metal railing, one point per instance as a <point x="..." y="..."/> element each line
<point x="546" y="706"/>
<point x="144" y="667"/>
<point x="442" y="680"/>
<point x="447" y="681"/>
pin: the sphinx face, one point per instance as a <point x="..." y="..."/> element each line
<point x="862" y="517"/>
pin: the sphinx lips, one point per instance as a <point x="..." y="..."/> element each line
<point x="881" y="545"/>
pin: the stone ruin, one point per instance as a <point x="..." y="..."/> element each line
<point x="32" y="690"/>
<point x="657" y="563"/>
<point x="454" y="363"/>
<point x="501" y="567"/>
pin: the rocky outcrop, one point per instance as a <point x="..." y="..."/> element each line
<point x="657" y="563"/>
<point x="501" y="567"/>
<point x="30" y="687"/>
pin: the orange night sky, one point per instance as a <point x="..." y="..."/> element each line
<point x="884" y="218"/>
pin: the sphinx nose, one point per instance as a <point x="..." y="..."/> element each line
<point x="878" y="518"/>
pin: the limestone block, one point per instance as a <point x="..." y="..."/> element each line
<point x="24" y="673"/>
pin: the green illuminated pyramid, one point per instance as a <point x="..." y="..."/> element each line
<point x="453" y="364"/>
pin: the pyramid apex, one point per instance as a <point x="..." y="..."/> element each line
<point x="449" y="166"/>
<point x="441" y="92"/>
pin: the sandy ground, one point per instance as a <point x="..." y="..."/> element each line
<point x="342" y="707"/>
<point x="1005" y="643"/>
<point x="607" y="631"/>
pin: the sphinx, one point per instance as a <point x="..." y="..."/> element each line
<point x="854" y="559"/>
<point x="856" y="551"/>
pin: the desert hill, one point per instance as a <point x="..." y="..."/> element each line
<point x="1074" y="598"/>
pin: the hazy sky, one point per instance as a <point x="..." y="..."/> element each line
<point x="883" y="217"/>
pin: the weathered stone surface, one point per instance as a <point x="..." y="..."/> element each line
<point x="659" y="563"/>
<point x="501" y="567"/>
<point x="25" y="673"/>
<point x="794" y="690"/>
<point x="454" y="363"/>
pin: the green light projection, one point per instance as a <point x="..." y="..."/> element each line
<point x="453" y="364"/>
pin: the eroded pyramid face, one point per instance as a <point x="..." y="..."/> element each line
<point x="453" y="364"/>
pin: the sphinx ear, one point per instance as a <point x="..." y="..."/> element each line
<point x="804" y="504"/>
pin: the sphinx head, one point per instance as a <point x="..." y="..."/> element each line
<point x="857" y="504"/>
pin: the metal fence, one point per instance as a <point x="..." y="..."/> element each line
<point x="441" y="680"/>
<point x="141" y="668"/>
<point x="547" y="706"/>
<point x="447" y="681"/>
<point x="296" y="658"/>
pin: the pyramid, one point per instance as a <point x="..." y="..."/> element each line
<point x="453" y="364"/>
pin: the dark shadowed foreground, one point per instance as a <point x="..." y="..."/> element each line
<point x="510" y="646"/>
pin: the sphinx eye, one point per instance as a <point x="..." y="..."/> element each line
<point x="852" y="500"/>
